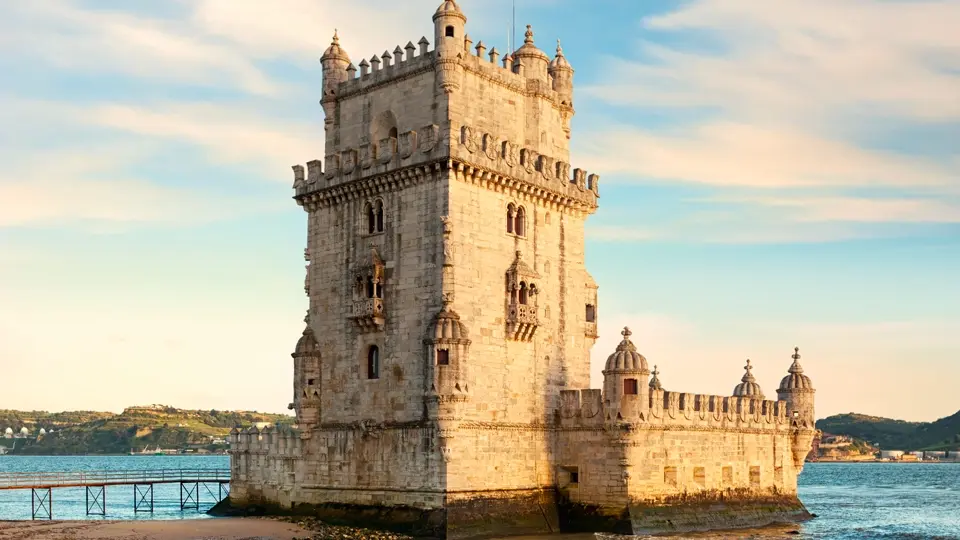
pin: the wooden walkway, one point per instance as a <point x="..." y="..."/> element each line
<point x="42" y="484"/>
<point x="63" y="479"/>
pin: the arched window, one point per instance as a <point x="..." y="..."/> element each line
<point x="378" y="289"/>
<point x="449" y="32"/>
<point x="510" y="215"/>
<point x="443" y="357"/>
<point x="393" y="133"/>
<point x="523" y="293"/>
<point x="370" y="287"/>
<point x="379" y="216"/>
<point x="373" y="362"/>
<point x="519" y="222"/>
<point x="371" y="218"/>
<point x="591" y="313"/>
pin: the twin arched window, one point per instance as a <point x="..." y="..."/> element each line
<point x="374" y="213"/>
<point x="516" y="220"/>
<point x="373" y="362"/>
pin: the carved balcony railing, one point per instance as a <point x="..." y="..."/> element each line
<point x="522" y="322"/>
<point x="590" y="330"/>
<point x="369" y="314"/>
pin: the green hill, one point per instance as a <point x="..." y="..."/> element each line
<point x="135" y="428"/>
<point x="943" y="434"/>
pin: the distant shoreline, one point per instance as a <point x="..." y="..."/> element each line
<point x="928" y="462"/>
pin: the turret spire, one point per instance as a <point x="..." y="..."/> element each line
<point x="528" y="35"/>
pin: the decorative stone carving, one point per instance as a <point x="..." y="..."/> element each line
<point x="366" y="156"/>
<point x="367" y="309"/>
<point x="348" y="161"/>
<point x="522" y="291"/>
<point x="386" y="150"/>
<point x="298" y="178"/>
<point x="511" y="153"/>
<point x="580" y="179"/>
<point x="547" y="167"/>
<point x="470" y="139"/>
<point x="428" y="138"/>
<point x="491" y="146"/>
<point x="530" y="160"/>
<point x="407" y="144"/>
<point x="332" y="163"/>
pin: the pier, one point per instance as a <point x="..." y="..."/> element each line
<point x="42" y="484"/>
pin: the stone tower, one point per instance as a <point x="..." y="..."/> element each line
<point x="441" y="381"/>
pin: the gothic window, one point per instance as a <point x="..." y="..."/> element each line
<point x="591" y="313"/>
<point x="373" y="362"/>
<point x="511" y="211"/>
<point x="630" y="387"/>
<point x="519" y="222"/>
<point x="449" y="32"/>
<point x="443" y="357"/>
<point x="393" y="133"/>
<point x="371" y="218"/>
<point x="524" y="293"/>
<point x="371" y="289"/>
<point x="379" y="215"/>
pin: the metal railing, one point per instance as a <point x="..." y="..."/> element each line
<point x="20" y="480"/>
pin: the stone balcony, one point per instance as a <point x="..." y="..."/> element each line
<point x="522" y="322"/>
<point x="369" y="314"/>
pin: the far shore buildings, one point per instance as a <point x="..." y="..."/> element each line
<point x="441" y="384"/>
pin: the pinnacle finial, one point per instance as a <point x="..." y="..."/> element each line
<point x="336" y="38"/>
<point x="559" y="48"/>
<point x="796" y="353"/>
<point x="655" y="370"/>
<point x="528" y="35"/>
<point x="748" y="376"/>
<point x="626" y="333"/>
<point x="748" y="367"/>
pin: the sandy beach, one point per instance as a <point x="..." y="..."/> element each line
<point x="207" y="529"/>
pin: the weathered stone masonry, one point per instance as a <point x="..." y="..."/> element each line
<point x="451" y="320"/>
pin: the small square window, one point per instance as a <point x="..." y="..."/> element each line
<point x="311" y="381"/>
<point x="630" y="387"/>
<point x="443" y="357"/>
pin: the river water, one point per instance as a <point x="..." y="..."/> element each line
<point x="851" y="500"/>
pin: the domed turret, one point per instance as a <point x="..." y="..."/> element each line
<point x="535" y="62"/>
<point x="562" y="74"/>
<point x="797" y="390"/>
<point x="748" y="386"/>
<point x="449" y="30"/>
<point x="336" y="64"/>
<point x="448" y="345"/>
<point x="307" y="344"/>
<point x="447" y="325"/>
<point x="306" y="378"/>
<point x="622" y="376"/>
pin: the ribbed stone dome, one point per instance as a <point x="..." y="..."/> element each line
<point x="559" y="61"/>
<point x="334" y="51"/>
<point x="448" y="7"/>
<point x="447" y="325"/>
<point x="529" y="50"/>
<point x="796" y="380"/>
<point x="626" y="357"/>
<point x="748" y="386"/>
<point x="307" y="344"/>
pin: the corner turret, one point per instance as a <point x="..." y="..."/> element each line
<point x="622" y="376"/>
<point x="449" y="30"/>
<point x="562" y="74"/>
<point x="530" y="61"/>
<point x="306" y="379"/>
<point x="797" y="390"/>
<point x="336" y="64"/>
<point x="748" y="386"/>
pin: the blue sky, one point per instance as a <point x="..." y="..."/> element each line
<point x="773" y="175"/>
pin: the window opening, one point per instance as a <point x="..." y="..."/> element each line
<point x="373" y="362"/>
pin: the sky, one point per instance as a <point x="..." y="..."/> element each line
<point x="773" y="174"/>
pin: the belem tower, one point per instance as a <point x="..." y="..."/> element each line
<point x="441" y="382"/>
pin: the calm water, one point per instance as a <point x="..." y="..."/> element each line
<point x="852" y="501"/>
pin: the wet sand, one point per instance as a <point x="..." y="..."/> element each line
<point x="207" y="529"/>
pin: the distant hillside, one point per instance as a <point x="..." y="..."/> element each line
<point x="135" y="428"/>
<point x="889" y="434"/>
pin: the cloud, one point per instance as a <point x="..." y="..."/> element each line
<point x="68" y="37"/>
<point x="90" y="190"/>
<point x="860" y="209"/>
<point x="229" y="132"/>
<point x="803" y="61"/>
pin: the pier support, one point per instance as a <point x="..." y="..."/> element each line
<point x="223" y="489"/>
<point x="189" y="495"/>
<point x="96" y="500"/>
<point x="142" y="497"/>
<point x="41" y="503"/>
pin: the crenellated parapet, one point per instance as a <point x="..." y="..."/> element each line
<point x="504" y="165"/>
<point x="673" y="410"/>
<point x="272" y="440"/>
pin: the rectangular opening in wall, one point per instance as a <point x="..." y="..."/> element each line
<point x="778" y="476"/>
<point x="311" y="381"/>
<point x="755" y="476"/>
<point x="443" y="357"/>
<point x="670" y="476"/>
<point x="569" y="474"/>
<point x="630" y="387"/>
<point x="700" y="476"/>
<point x="727" y="476"/>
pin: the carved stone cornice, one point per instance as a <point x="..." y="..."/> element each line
<point x="473" y="173"/>
<point x="372" y="185"/>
